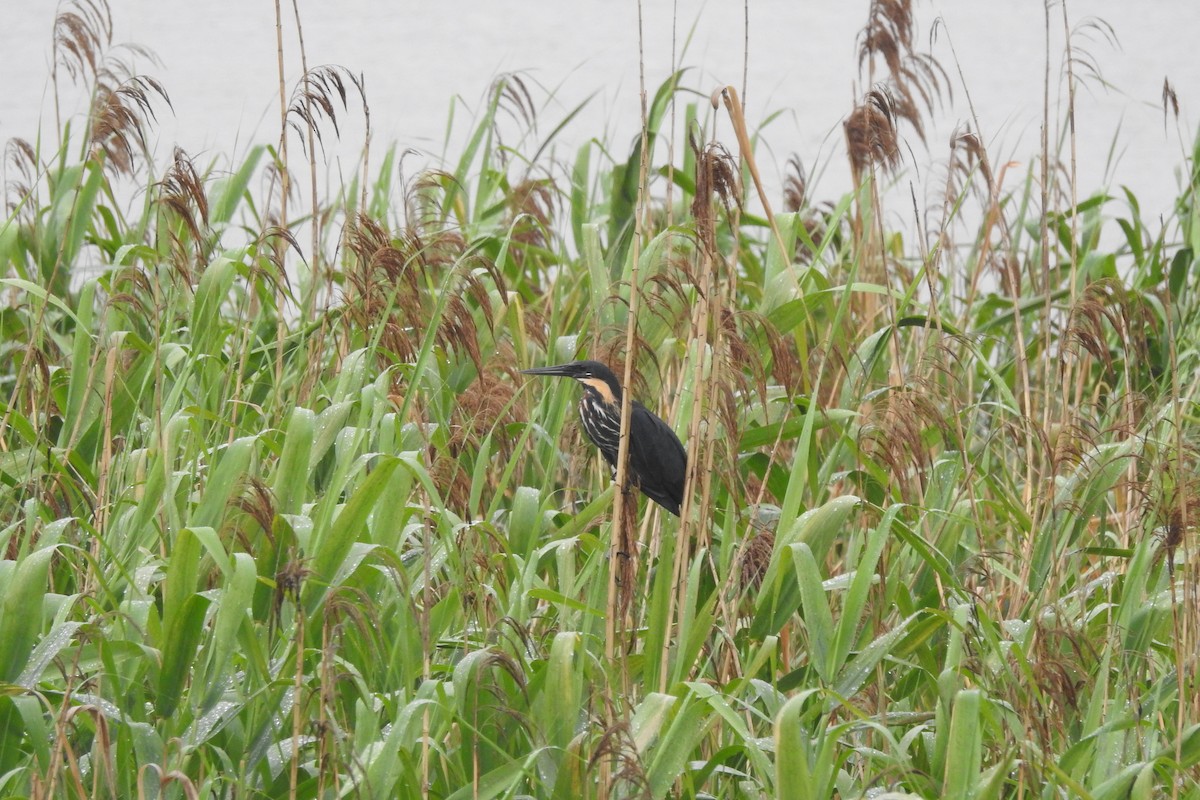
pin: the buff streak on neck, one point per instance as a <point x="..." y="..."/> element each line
<point x="602" y="388"/>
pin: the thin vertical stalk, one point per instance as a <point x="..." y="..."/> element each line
<point x="617" y="547"/>
<point x="729" y="96"/>
<point x="617" y="550"/>
<point x="297" y="687"/>
<point x="314" y="255"/>
<point x="1066" y="383"/>
<point x="366" y="157"/>
<point x="700" y="324"/>
<point x="1031" y="495"/>
<point x="1070" y="371"/>
<point x="426" y="648"/>
<point x="1183" y="633"/>
<point x="284" y="190"/>
<point x="671" y="138"/>
<point x="733" y="106"/>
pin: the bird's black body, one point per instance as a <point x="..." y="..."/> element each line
<point x="657" y="460"/>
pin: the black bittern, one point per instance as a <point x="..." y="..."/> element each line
<point x="657" y="460"/>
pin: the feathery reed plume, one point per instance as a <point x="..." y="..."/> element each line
<point x="1102" y="301"/>
<point x="617" y="743"/>
<point x="531" y="210"/>
<point x="181" y="191"/>
<point x="795" y="184"/>
<point x="389" y="286"/>
<point x="888" y="34"/>
<point x="754" y="560"/>
<point x="130" y="288"/>
<point x="484" y="408"/>
<point x="318" y="96"/>
<point x="276" y="177"/>
<point x="515" y="99"/>
<point x="1080" y="58"/>
<point x="716" y="175"/>
<point x="510" y="95"/>
<point x="914" y="80"/>
<point x="384" y="273"/>
<point x="666" y="293"/>
<point x="257" y="501"/>
<point x="1069" y="443"/>
<point x="82" y="32"/>
<point x="1170" y="101"/>
<point x="966" y="156"/>
<point x="871" y="137"/>
<point x="426" y="198"/>
<point x="121" y="100"/>
<point x="746" y="365"/>
<point x="118" y="119"/>
<point x="268" y="265"/>
<point x="1170" y="496"/>
<point x="785" y="365"/>
<point x="1058" y="667"/>
<point x="895" y="434"/>
<point x="481" y="549"/>
<point x="20" y="155"/>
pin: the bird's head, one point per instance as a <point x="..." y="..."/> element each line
<point x="594" y="376"/>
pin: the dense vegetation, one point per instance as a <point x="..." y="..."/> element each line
<point x="279" y="517"/>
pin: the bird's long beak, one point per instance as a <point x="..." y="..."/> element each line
<point x="561" y="370"/>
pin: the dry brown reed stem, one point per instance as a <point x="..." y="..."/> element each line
<point x="698" y="346"/>
<point x="914" y="81"/>
<point x="314" y="256"/>
<point x="1030" y="496"/>
<point x="670" y="206"/>
<point x="1070" y="64"/>
<point x="1009" y="274"/>
<point x="1186" y="626"/>
<point x="729" y="96"/>
<point x="913" y="85"/>
<point x="297" y="702"/>
<point x="106" y="454"/>
<point x="1071" y="396"/>
<point x="993" y="216"/>
<point x="872" y="144"/>
<point x="618" y="546"/>
<point x="717" y="177"/>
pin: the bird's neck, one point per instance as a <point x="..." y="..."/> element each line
<point x="601" y="389"/>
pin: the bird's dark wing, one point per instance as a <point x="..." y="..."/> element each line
<point x="656" y="459"/>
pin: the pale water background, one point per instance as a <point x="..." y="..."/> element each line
<point x="219" y="66"/>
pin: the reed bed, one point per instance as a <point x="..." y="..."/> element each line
<point x="280" y="518"/>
